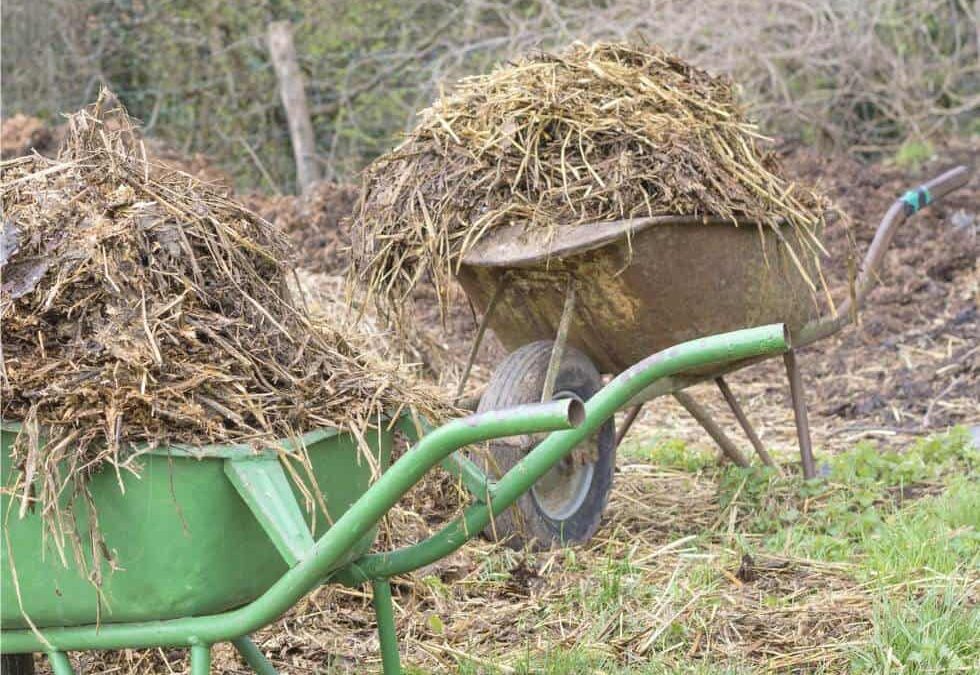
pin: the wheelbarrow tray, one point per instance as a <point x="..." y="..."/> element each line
<point x="641" y="284"/>
<point x="186" y="542"/>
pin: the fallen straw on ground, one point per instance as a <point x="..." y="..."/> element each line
<point x="595" y="133"/>
<point x="142" y="308"/>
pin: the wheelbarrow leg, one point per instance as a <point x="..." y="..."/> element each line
<point x="60" y="665"/>
<point x="743" y="421"/>
<point x="253" y="656"/>
<point x="201" y="660"/>
<point x="631" y="416"/>
<point x="799" y="412"/>
<point x="384" y="611"/>
<point x="480" y="332"/>
<point x="561" y="339"/>
<point x="707" y="423"/>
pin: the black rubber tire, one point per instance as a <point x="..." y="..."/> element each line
<point x="520" y="379"/>
<point x="17" y="664"/>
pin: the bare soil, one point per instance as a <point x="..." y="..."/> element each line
<point x="913" y="363"/>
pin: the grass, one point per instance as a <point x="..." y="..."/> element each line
<point x="913" y="154"/>
<point x="671" y="453"/>
<point x="937" y="633"/>
<point x="873" y="569"/>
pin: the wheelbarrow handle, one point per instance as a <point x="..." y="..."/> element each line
<point x="907" y="205"/>
<point x="943" y="184"/>
<point x="701" y="353"/>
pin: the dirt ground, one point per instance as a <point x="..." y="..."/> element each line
<point x="912" y="363"/>
<point x="910" y="369"/>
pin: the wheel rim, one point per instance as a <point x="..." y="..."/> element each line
<point x="560" y="493"/>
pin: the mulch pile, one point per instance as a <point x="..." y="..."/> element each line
<point x="140" y="305"/>
<point x="595" y="133"/>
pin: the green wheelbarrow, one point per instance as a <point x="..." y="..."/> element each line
<point x="213" y="544"/>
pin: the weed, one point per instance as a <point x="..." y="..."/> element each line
<point x="673" y="453"/>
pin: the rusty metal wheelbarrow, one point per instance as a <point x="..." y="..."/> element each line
<point x="584" y="300"/>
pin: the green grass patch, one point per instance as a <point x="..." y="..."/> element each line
<point x="913" y="154"/>
<point x="938" y="633"/>
<point x="671" y="453"/>
<point x="578" y="660"/>
<point x="937" y="535"/>
<point x="874" y="568"/>
<point x="836" y="518"/>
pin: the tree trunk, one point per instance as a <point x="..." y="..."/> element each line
<point x="292" y="90"/>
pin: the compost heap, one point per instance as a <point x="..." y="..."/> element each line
<point x="595" y="133"/>
<point x="140" y="306"/>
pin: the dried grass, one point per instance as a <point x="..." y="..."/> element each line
<point x="595" y="133"/>
<point x="142" y="308"/>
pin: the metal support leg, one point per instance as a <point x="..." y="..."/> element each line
<point x="560" y="339"/>
<point x="558" y="350"/>
<point x="631" y="416"/>
<point x="60" y="664"/>
<point x="498" y="292"/>
<point x="708" y="424"/>
<point x="799" y="412"/>
<point x="744" y="422"/>
<point x="384" y="611"/>
<point x="201" y="660"/>
<point x="253" y="656"/>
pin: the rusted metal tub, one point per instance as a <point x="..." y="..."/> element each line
<point x="641" y="285"/>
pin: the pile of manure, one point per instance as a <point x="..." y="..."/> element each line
<point x="595" y="133"/>
<point x="141" y="308"/>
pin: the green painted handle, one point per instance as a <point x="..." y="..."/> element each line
<point x="708" y="351"/>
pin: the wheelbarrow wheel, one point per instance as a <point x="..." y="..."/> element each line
<point x="17" y="664"/>
<point x="566" y="504"/>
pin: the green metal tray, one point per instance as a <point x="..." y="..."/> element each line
<point x="187" y="542"/>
